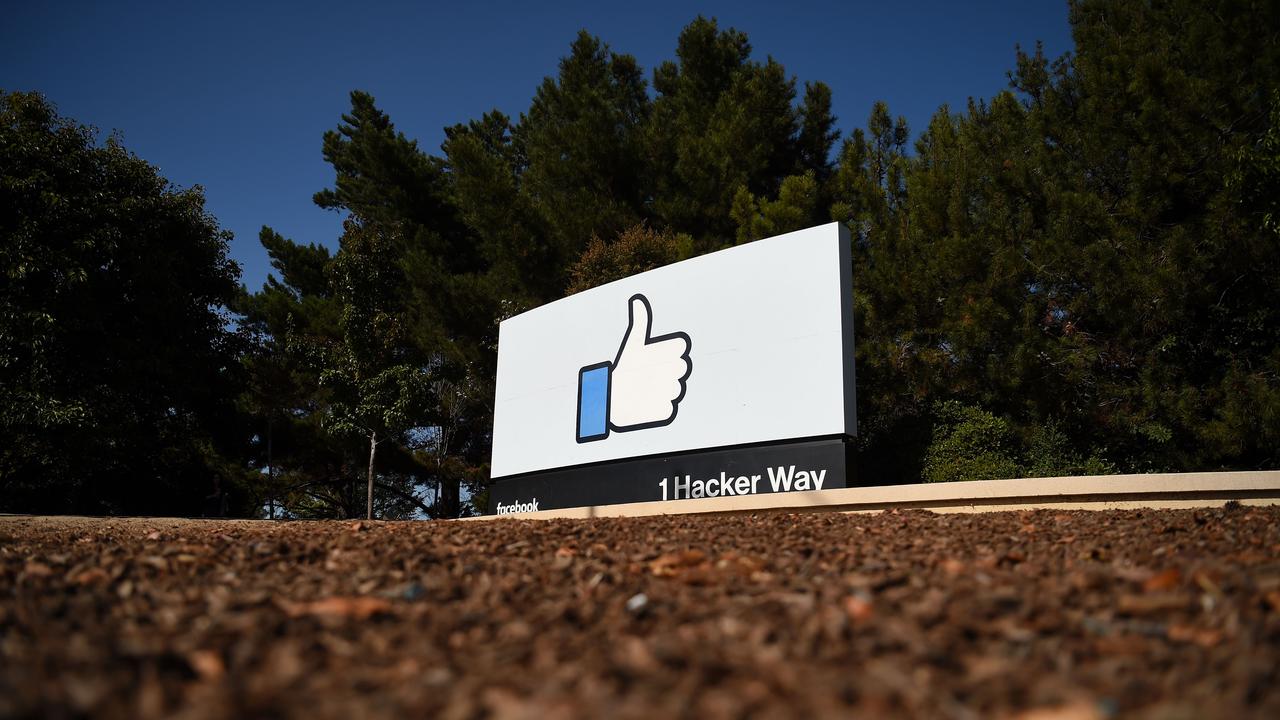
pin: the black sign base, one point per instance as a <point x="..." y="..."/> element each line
<point x="745" y="470"/>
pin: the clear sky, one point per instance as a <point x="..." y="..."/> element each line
<point x="235" y="96"/>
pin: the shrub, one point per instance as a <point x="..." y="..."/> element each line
<point x="970" y="443"/>
<point x="1050" y="454"/>
<point x="635" y="250"/>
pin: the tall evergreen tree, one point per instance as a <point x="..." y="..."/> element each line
<point x="485" y="167"/>
<point x="1082" y="258"/>
<point x="310" y="411"/>
<point x="722" y="122"/>
<point x="581" y="138"/>
<point x="1160" y="278"/>
<point x="302" y="470"/>
<point x="445" y="302"/>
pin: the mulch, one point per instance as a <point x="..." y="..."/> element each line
<point x="1044" y="614"/>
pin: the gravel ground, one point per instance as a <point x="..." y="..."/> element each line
<point x="1046" y="614"/>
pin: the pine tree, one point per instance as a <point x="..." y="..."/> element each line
<point x="581" y="139"/>
<point x="444" y="300"/>
<point x="722" y="122"/>
<point x="302" y="470"/>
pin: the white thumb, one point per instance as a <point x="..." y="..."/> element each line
<point x="640" y="322"/>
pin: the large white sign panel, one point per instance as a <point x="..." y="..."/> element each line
<point x="746" y="345"/>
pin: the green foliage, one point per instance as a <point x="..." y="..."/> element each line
<point x="723" y="122"/>
<point x="485" y="168"/>
<point x="970" y="443"/>
<point x="290" y="323"/>
<point x="115" y="362"/>
<point x="381" y="176"/>
<point x="1257" y="174"/>
<point x="380" y="388"/>
<point x="1051" y="453"/>
<point x="582" y="140"/>
<point x="327" y="371"/>
<point x="393" y="351"/>
<point x="818" y="133"/>
<point x="795" y="209"/>
<point x="1085" y="248"/>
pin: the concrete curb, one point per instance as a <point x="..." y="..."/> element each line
<point x="1092" y="492"/>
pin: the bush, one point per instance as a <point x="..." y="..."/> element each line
<point x="970" y="443"/>
<point x="635" y="250"/>
<point x="1050" y="454"/>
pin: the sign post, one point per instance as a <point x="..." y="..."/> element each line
<point x="726" y="374"/>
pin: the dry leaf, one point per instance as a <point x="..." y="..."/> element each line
<point x="673" y="563"/>
<point x="92" y="576"/>
<point x="359" y="608"/>
<point x="1204" y="637"/>
<point x="1150" y="604"/>
<point x="732" y="563"/>
<point x="1166" y="580"/>
<point x="858" y="609"/>
<point x="207" y="664"/>
<point x="1208" y="585"/>
<point x="633" y="654"/>
<point x="158" y="563"/>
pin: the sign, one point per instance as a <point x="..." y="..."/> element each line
<point x="747" y="346"/>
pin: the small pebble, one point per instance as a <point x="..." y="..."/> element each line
<point x="637" y="602"/>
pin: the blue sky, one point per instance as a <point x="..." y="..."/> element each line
<point x="235" y="96"/>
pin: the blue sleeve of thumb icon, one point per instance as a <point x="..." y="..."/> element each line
<point x="593" y="402"/>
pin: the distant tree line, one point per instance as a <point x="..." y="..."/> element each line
<point x="1078" y="275"/>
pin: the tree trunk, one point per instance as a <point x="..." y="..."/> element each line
<point x="450" y="492"/>
<point x="426" y="509"/>
<point x="448" y="499"/>
<point x="373" y="453"/>
<point x="271" y="476"/>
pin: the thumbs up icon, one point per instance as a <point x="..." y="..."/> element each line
<point x="642" y="387"/>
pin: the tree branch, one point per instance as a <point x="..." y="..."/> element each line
<point x="407" y="496"/>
